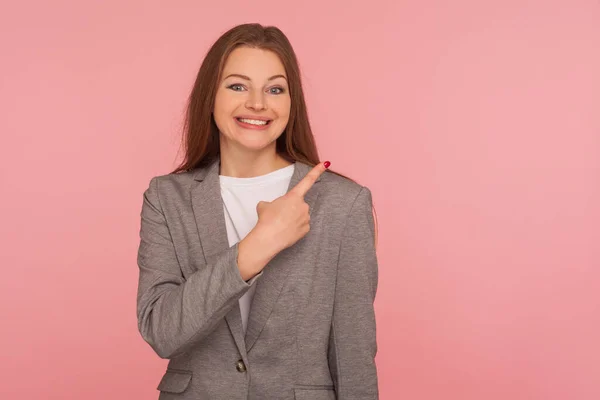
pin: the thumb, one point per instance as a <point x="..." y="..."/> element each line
<point x="261" y="206"/>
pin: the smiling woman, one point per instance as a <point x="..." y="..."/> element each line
<point x="257" y="264"/>
<point x="251" y="110"/>
<point x="251" y="72"/>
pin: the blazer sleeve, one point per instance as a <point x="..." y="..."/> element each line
<point x="352" y="343"/>
<point x="174" y="313"/>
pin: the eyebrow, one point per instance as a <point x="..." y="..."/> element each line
<point x="248" y="79"/>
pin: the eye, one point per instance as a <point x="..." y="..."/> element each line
<point x="276" y="90"/>
<point x="236" y="87"/>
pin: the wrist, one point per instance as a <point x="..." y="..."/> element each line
<point x="253" y="255"/>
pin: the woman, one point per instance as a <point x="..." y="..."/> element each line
<point x="258" y="269"/>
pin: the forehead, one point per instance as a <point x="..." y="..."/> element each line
<point x="253" y="62"/>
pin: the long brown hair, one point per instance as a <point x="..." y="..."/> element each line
<point x="200" y="139"/>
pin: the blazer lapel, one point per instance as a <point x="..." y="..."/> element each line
<point x="207" y="204"/>
<point x="275" y="273"/>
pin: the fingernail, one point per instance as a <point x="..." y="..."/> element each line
<point x="326" y="164"/>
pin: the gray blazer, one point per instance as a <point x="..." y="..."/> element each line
<point x="311" y="329"/>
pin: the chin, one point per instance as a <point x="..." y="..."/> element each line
<point x="256" y="146"/>
<point x="256" y="143"/>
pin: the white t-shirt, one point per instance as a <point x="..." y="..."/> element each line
<point x="240" y="197"/>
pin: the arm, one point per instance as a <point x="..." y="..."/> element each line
<point x="174" y="313"/>
<point x="352" y="342"/>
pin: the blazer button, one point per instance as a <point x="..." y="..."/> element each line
<point x="240" y="366"/>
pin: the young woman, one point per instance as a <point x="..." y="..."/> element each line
<point x="257" y="266"/>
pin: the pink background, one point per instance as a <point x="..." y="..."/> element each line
<point x="476" y="125"/>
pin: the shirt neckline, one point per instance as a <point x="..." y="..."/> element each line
<point x="281" y="173"/>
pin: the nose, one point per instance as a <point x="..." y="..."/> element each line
<point x="256" y="100"/>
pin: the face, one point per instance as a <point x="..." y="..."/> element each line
<point x="252" y="104"/>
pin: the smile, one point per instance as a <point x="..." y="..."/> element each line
<point x="257" y="122"/>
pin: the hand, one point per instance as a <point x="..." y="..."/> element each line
<point x="281" y="223"/>
<point x="286" y="219"/>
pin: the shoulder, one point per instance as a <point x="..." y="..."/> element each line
<point x="170" y="184"/>
<point x="180" y="178"/>
<point x="347" y="205"/>
<point x="344" y="191"/>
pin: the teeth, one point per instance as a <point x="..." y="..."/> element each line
<point x="253" y="121"/>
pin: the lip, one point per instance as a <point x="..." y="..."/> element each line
<point x="253" y="127"/>
<point x="253" y="117"/>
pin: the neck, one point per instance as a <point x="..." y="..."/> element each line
<point x="245" y="164"/>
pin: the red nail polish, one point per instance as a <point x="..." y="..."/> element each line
<point x="326" y="164"/>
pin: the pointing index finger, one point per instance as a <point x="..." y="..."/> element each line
<point x="309" y="180"/>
